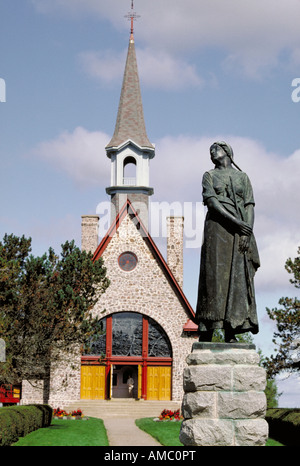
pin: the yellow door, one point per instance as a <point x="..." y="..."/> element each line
<point x="159" y="383"/>
<point x="140" y="381"/>
<point x="93" y="382"/>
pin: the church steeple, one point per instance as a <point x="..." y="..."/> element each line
<point x="130" y="145"/>
<point x="130" y="125"/>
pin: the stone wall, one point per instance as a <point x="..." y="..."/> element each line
<point x="224" y="402"/>
<point x="62" y="387"/>
<point x="34" y="391"/>
<point x="175" y="247"/>
<point x="65" y="382"/>
<point x="89" y="232"/>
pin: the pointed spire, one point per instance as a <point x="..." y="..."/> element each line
<point x="130" y="124"/>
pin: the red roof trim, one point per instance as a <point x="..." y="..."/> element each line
<point x="146" y="236"/>
<point x="190" y="326"/>
<point x="111" y="231"/>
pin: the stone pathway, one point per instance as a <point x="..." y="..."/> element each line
<point x="124" y="432"/>
<point x="119" y="418"/>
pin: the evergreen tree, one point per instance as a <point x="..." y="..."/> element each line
<point x="45" y="305"/>
<point x="287" y="336"/>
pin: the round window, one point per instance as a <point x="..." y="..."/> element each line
<point x="127" y="261"/>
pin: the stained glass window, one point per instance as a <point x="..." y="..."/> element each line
<point x="127" y="337"/>
<point x="127" y="261"/>
<point x="97" y="346"/>
<point x="158" y="341"/>
<point x="127" y="334"/>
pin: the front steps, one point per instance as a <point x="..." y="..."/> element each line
<point x="122" y="407"/>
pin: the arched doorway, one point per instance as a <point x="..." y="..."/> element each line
<point x="130" y="344"/>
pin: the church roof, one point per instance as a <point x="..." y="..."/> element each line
<point x="128" y="208"/>
<point x="130" y="124"/>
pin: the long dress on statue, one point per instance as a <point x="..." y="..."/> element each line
<point x="226" y="298"/>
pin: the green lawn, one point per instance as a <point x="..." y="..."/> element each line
<point x="67" y="433"/>
<point x="167" y="433"/>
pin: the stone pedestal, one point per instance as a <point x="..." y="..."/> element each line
<point x="224" y="402"/>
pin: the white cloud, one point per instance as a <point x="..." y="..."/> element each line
<point x="80" y="154"/>
<point x="252" y="35"/>
<point x="107" y="67"/>
<point x="161" y="70"/>
<point x="290" y="387"/>
<point x="73" y="8"/>
<point x="156" y="69"/>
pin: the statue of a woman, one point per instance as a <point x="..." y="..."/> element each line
<point x="229" y="256"/>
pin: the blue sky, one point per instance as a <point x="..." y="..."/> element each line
<point x="208" y="69"/>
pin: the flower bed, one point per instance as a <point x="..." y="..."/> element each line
<point x="62" y="414"/>
<point x="168" y="415"/>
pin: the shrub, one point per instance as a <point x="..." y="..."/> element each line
<point x="47" y="414"/>
<point x="11" y="427"/>
<point x="284" y="425"/>
<point x="18" y="421"/>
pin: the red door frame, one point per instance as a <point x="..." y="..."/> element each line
<point x="143" y="360"/>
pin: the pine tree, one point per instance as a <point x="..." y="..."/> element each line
<point x="45" y="305"/>
<point x="287" y="336"/>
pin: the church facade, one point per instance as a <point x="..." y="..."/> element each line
<point x="146" y="319"/>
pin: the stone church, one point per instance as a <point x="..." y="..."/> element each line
<point x="147" y="321"/>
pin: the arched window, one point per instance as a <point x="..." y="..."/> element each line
<point x="132" y="334"/>
<point x="97" y="346"/>
<point x="129" y="171"/>
<point x="158" y="342"/>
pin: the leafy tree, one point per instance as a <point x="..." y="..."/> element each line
<point x="45" y="305"/>
<point x="287" y="336"/>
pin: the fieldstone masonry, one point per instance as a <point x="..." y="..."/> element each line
<point x="62" y="387"/>
<point x="89" y="232"/>
<point x="175" y="226"/>
<point x="224" y="402"/>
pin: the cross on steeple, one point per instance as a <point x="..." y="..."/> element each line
<point x="130" y="124"/>
<point x="130" y="146"/>
<point x="132" y="16"/>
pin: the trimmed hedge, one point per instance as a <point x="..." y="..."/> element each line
<point x="18" y="421"/>
<point x="284" y="425"/>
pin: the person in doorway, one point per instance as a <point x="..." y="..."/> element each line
<point x="130" y="384"/>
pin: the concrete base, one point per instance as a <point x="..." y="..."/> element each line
<point x="224" y="402"/>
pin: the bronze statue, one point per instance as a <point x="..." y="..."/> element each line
<point x="229" y="255"/>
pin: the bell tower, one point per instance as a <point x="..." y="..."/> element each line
<point x="130" y="150"/>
